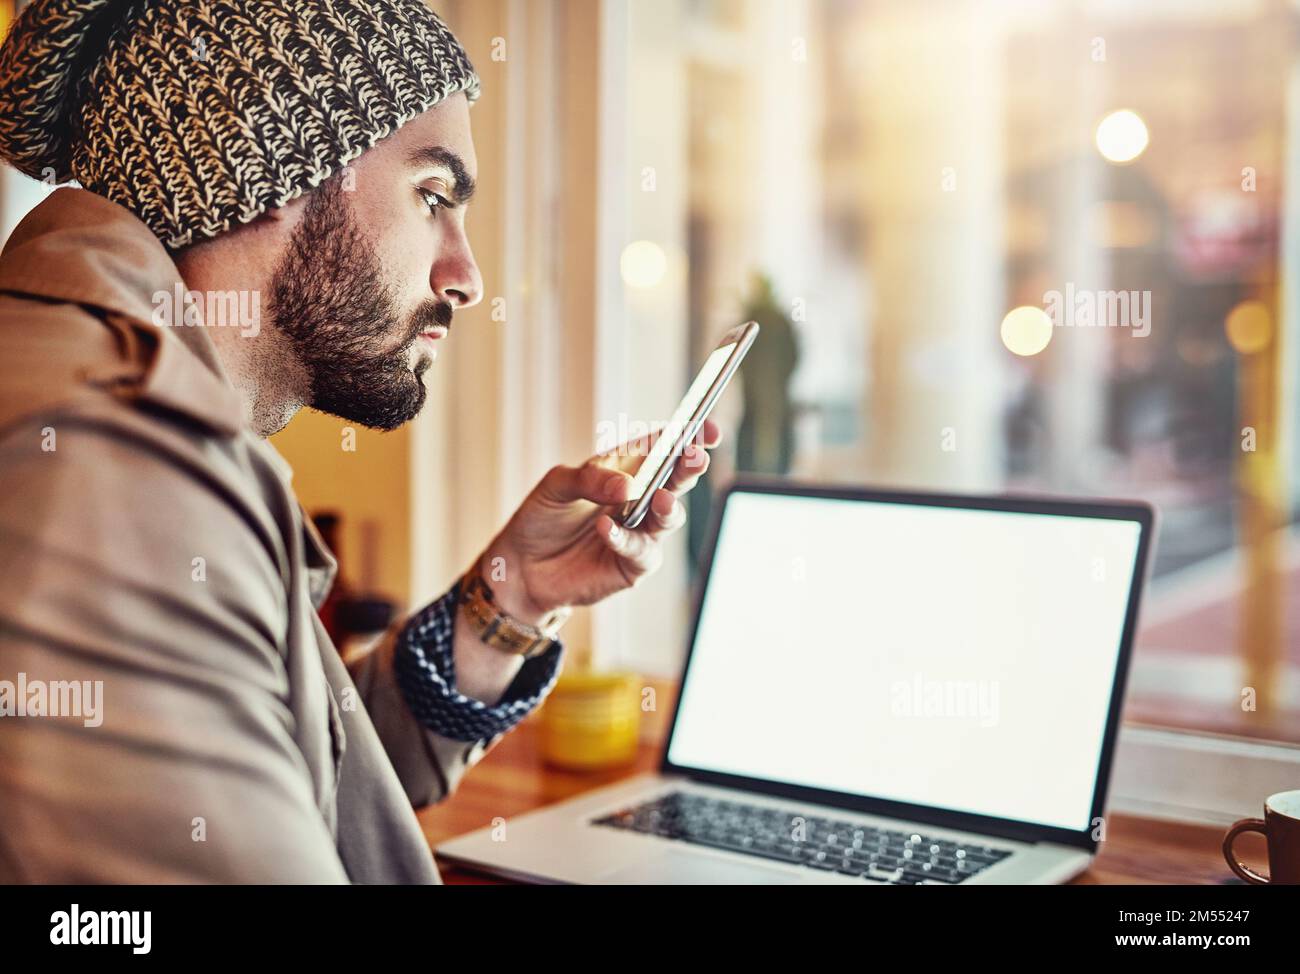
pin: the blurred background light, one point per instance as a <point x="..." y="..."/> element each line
<point x="1122" y="136"/>
<point x="1026" y="330"/>
<point x="643" y="264"/>
<point x="1249" y="327"/>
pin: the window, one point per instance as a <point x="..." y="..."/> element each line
<point x="886" y="183"/>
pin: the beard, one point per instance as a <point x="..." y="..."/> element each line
<point x="329" y="299"/>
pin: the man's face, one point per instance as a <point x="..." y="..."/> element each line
<point x="376" y="266"/>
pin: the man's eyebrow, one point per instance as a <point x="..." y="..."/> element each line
<point x="436" y="155"/>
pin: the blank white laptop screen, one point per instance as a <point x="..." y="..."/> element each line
<point x="954" y="658"/>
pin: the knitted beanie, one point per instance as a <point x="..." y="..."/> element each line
<point x="199" y="115"/>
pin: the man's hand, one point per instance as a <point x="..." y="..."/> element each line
<point x="563" y="547"/>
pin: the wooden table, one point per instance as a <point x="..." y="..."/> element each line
<point x="513" y="779"/>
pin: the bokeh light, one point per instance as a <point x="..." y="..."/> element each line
<point x="643" y="264"/>
<point x="1249" y="327"/>
<point x="1026" y="330"/>
<point x="1122" y="136"/>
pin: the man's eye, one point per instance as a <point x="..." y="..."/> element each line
<point x="433" y="201"/>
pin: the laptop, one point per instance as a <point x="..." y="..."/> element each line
<point x="880" y="687"/>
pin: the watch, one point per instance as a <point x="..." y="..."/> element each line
<point x="498" y="629"/>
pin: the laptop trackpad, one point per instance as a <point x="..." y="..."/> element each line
<point x="678" y="867"/>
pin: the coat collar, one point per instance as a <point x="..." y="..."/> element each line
<point x="81" y="248"/>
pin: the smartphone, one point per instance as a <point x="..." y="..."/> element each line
<point x="686" y="420"/>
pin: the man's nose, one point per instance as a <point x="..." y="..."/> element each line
<point x="456" y="277"/>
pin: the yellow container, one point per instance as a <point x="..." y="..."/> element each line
<point x="592" y="720"/>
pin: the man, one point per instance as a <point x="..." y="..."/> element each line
<point x="170" y="707"/>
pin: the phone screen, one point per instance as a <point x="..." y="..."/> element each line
<point x="713" y="367"/>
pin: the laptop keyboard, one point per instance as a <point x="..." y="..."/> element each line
<point x="885" y="855"/>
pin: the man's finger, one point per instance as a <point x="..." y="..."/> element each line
<point x="638" y="553"/>
<point x="589" y="482"/>
<point x="666" y="514"/>
<point x="689" y="468"/>
<point x="710" y="434"/>
<point x="627" y="456"/>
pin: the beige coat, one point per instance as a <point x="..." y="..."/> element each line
<point x="234" y="745"/>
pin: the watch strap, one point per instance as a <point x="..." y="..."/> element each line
<point x="425" y="666"/>
<point x="498" y="628"/>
